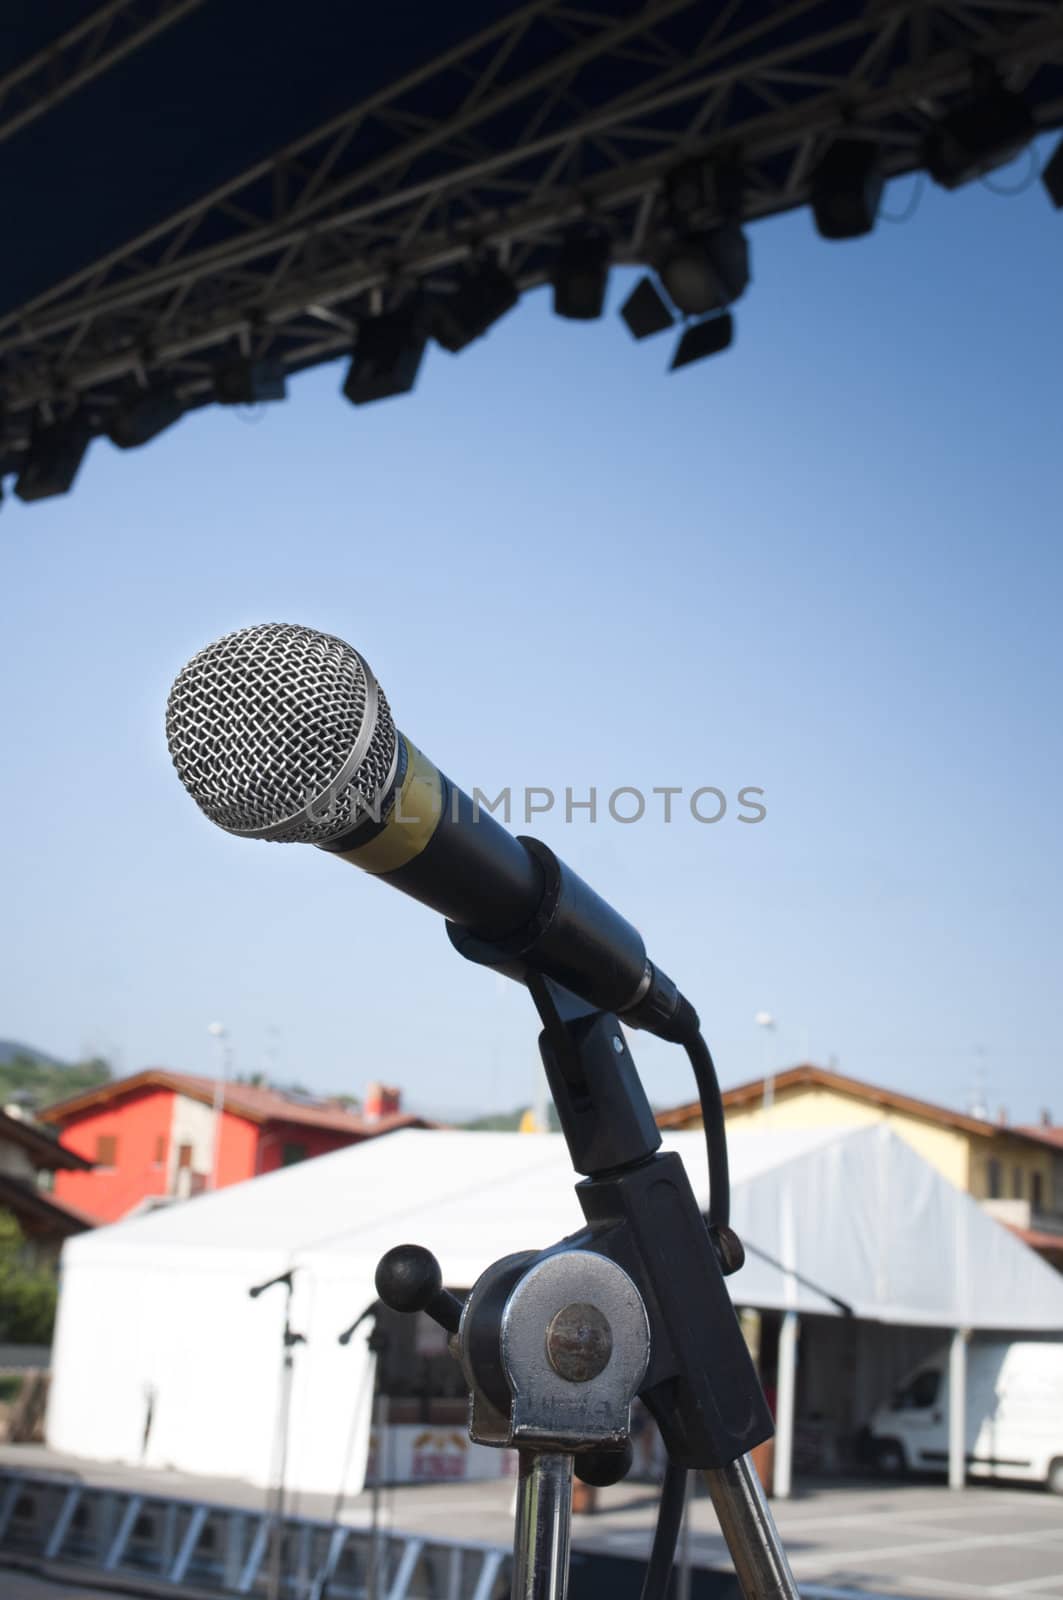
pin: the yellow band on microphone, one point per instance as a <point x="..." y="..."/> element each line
<point x="413" y="820"/>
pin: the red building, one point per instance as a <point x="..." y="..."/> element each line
<point x="162" y="1134"/>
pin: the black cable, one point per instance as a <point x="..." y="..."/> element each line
<point x="843" y="1305"/>
<point x="666" y="1534"/>
<point x="674" y="1488"/>
<point x="719" y="1213"/>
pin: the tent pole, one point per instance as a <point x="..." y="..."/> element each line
<point x="958" y="1409"/>
<point x="784" y="1405"/>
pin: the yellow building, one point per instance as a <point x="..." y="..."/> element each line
<point x="1016" y="1172"/>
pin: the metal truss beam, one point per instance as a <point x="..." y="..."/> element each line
<point x="300" y="243"/>
<point x="74" y="59"/>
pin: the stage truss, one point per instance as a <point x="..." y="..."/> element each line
<point x="559" y="112"/>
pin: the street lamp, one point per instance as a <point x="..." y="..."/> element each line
<point x="766" y="1022"/>
<point x="223" y="1049"/>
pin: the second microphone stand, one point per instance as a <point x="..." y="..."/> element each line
<point x="555" y="1344"/>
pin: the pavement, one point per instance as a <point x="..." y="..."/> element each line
<point x="922" y="1540"/>
<point x="919" y="1539"/>
<point x="24" y="1586"/>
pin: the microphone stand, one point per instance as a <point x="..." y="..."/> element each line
<point x="289" y="1340"/>
<point x="378" y="1343"/>
<point x="555" y="1344"/>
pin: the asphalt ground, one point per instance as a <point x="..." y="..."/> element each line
<point x="922" y="1540"/>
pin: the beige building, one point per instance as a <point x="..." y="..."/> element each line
<point x="1016" y="1172"/>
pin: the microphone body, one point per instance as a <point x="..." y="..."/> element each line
<point x="281" y="733"/>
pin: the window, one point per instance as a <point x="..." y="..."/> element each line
<point x="920" y="1393"/>
<point x="1037" y="1192"/>
<point x="923" y="1390"/>
<point x="292" y="1153"/>
<point x="106" y="1150"/>
<point x="992" y="1178"/>
<point x="184" y="1157"/>
<point x="160" y="1149"/>
<point x="1018" y="1183"/>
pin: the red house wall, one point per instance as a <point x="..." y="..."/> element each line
<point x="136" y="1124"/>
<point x="315" y="1141"/>
<point x="237" y="1150"/>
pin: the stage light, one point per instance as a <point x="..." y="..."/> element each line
<point x="703" y="339"/>
<point x="55" y="453"/>
<point x="580" y="274"/>
<point x="707" y="271"/>
<point x="243" y="382"/>
<point x="644" y="310"/>
<point x="1052" y="176"/>
<point x="846" y="190"/>
<point x="713" y="188"/>
<point x="483" y="293"/>
<point x="985" y="131"/>
<point x="144" y="415"/>
<point x="386" y="357"/>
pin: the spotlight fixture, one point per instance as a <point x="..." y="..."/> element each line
<point x="982" y="132"/>
<point x="580" y="274"/>
<point x="144" y="415"/>
<point x="846" y="189"/>
<point x="484" y="292"/>
<point x="243" y="382"/>
<point x="711" y="187"/>
<point x="686" y="188"/>
<point x="55" y="453"/>
<point x="706" y="338"/>
<point x="707" y="271"/>
<point x="386" y="357"/>
<point x="1052" y="176"/>
<point x="644" y="310"/>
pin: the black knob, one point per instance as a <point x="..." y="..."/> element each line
<point x="600" y="1468"/>
<point x="730" y="1252"/>
<point x="408" y="1278"/>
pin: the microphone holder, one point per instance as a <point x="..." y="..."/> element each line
<point x="555" y="1344"/>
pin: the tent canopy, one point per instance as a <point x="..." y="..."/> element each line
<point x="162" y="1359"/>
<point x="853" y="1214"/>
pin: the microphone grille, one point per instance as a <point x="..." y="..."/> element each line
<point x="280" y="732"/>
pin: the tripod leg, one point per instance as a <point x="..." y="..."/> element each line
<point x="747" y="1524"/>
<point x="544" y="1525"/>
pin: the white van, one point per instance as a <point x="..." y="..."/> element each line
<point x="1014" y="1415"/>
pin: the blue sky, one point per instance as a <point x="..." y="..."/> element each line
<point x="826" y="563"/>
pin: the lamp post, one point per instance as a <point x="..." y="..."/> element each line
<point x="223" y="1050"/>
<point x="766" y="1022"/>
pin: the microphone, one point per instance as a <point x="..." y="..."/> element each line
<point x="282" y="733"/>
<point x="371" y="1310"/>
<point x="282" y="1277"/>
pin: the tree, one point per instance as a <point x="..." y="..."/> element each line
<point x="27" y="1294"/>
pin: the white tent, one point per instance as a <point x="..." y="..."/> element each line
<point x="156" y="1323"/>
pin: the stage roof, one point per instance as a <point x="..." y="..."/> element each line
<point x="193" y="179"/>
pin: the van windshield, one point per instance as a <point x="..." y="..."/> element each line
<point x="919" y="1394"/>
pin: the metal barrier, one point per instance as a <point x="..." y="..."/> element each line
<point x="224" y="1550"/>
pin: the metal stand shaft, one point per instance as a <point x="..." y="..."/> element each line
<point x="748" y="1526"/>
<point x="284" y="1410"/>
<point x="543" y="1527"/>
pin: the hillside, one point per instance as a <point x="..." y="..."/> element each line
<point x="32" y="1079"/>
<point x="12" y="1050"/>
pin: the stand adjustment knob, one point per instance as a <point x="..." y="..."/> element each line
<point x="409" y="1278"/>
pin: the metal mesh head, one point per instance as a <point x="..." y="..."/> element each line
<point x="279" y="732"/>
